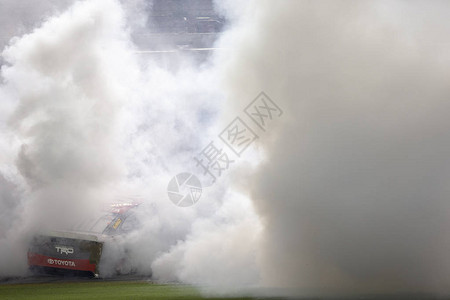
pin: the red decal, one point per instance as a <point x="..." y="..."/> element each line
<point x="35" y="259"/>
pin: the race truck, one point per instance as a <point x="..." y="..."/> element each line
<point x="82" y="250"/>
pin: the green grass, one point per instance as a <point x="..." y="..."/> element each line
<point x="100" y="290"/>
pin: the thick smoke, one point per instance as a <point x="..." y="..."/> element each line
<point x="350" y="193"/>
<point x="19" y="17"/>
<point x="67" y="92"/>
<point x="16" y="18"/>
<point x="353" y="192"/>
<point x="90" y="119"/>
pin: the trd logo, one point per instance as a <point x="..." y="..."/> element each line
<point x="64" y="249"/>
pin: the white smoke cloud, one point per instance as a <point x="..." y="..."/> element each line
<point x="350" y="196"/>
<point x="92" y="120"/>
<point x="352" y="193"/>
<point x="67" y="91"/>
<point x="19" y="17"/>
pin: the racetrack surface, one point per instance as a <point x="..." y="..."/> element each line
<point x="141" y="287"/>
<point x="68" y="278"/>
<point x="121" y="287"/>
<point x="99" y="290"/>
